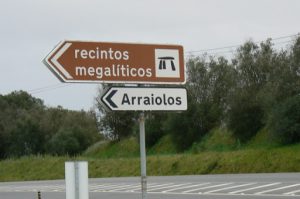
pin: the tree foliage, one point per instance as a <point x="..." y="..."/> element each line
<point x="285" y="121"/>
<point x="208" y="85"/>
<point x="154" y="127"/>
<point x="253" y="90"/>
<point x="28" y="127"/>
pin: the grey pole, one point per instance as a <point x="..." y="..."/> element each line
<point x="76" y="168"/>
<point x="143" y="155"/>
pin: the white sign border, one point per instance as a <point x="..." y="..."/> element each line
<point x="103" y="102"/>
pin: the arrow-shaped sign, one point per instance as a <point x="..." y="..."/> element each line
<point x="78" y="61"/>
<point x="54" y="65"/>
<point x="109" y="100"/>
<point x="145" y="98"/>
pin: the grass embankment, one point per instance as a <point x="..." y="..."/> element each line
<point x="285" y="159"/>
<point x="217" y="153"/>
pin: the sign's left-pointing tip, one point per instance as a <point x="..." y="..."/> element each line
<point x="51" y="61"/>
<point x="109" y="99"/>
<point x="103" y="101"/>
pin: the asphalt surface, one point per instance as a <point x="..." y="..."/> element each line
<point x="237" y="186"/>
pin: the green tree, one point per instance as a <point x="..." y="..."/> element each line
<point x="207" y="92"/>
<point x="284" y="122"/>
<point x="4" y="128"/>
<point x="20" y="124"/>
<point x="115" y="125"/>
<point x="79" y="126"/>
<point x="222" y="80"/>
<point x="244" y="116"/>
<point x="64" y="142"/>
<point x="282" y="94"/>
<point x="28" y="127"/>
<point x="245" y="112"/>
<point x="26" y="138"/>
<point x="154" y="127"/>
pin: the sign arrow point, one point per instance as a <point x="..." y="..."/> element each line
<point x="109" y="100"/>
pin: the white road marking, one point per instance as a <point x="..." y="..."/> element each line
<point x="292" y="192"/>
<point x="176" y="185"/>
<point x="236" y="186"/>
<point x="184" y="187"/>
<point x="171" y="188"/>
<point x="270" y="190"/>
<point x="207" y="187"/>
<point x="252" y="188"/>
<point x="126" y="187"/>
<point x="264" y="195"/>
<point x="111" y="186"/>
<point x="97" y="186"/>
<point x="160" y="185"/>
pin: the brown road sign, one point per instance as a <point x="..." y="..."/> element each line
<point x="78" y="61"/>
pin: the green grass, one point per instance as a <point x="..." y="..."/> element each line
<point x="217" y="140"/>
<point x="283" y="159"/>
<point x="124" y="148"/>
<point x="32" y="168"/>
<point x="217" y="153"/>
<point x="163" y="146"/>
<point x="263" y="139"/>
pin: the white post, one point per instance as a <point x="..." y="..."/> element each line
<point x="76" y="174"/>
<point x="143" y="155"/>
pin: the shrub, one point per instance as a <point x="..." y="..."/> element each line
<point x="154" y="127"/>
<point x="245" y="117"/>
<point x="284" y="121"/>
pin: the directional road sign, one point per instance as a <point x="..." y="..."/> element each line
<point x="78" y="61"/>
<point x="145" y="98"/>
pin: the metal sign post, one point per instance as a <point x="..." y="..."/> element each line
<point x="143" y="155"/>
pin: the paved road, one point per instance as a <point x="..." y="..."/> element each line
<point x="239" y="186"/>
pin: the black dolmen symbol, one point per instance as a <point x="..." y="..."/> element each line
<point x="162" y="63"/>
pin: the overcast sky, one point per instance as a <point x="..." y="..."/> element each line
<point x="29" y="29"/>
